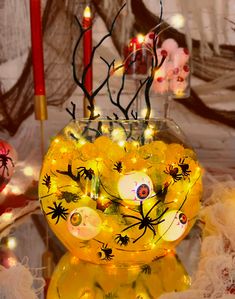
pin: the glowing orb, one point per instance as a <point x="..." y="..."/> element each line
<point x="134" y="187"/>
<point x="174" y="225"/>
<point x="84" y="223"/>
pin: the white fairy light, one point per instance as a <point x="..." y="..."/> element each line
<point x="11" y="243"/>
<point x="28" y="171"/>
<point x="177" y="21"/>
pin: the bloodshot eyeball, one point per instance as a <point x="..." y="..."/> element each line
<point x="84" y="223"/>
<point x="134" y="187"/>
<point x="174" y="225"/>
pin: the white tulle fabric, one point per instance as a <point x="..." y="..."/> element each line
<point x="18" y="282"/>
<point x="215" y="276"/>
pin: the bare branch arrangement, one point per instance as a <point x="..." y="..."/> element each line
<point x="81" y="82"/>
<point x="145" y="83"/>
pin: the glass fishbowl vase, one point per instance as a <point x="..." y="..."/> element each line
<point x="120" y="195"/>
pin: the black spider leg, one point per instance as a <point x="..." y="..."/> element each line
<point x="149" y="225"/>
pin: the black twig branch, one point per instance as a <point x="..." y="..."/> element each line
<point x="81" y="83"/>
<point x="73" y="112"/>
<point x="69" y="173"/>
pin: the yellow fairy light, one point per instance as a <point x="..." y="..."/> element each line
<point x="57" y="140"/>
<point x="121" y="143"/>
<point x="12" y="261"/>
<point x="11" y="243"/>
<point x="177" y="21"/>
<point x="28" y="171"/>
<point x="119" y="68"/>
<point x="105" y="129"/>
<point x="118" y="134"/>
<point x="135" y="143"/>
<point x="133" y="160"/>
<point x="16" y="190"/>
<point x="64" y="149"/>
<point x="140" y="38"/>
<point x="7" y="216"/>
<point x="82" y="141"/>
<point x="179" y="92"/>
<point x="53" y="161"/>
<point x="148" y="133"/>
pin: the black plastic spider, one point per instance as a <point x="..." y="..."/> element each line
<point x="146" y="269"/>
<point x="173" y="172"/>
<point x="57" y="212"/>
<point x="106" y="253"/>
<point x="184" y="167"/>
<point x="145" y="221"/>
<point x="5" y="159"/>
<point x="122" y="240"/>
<point x="118" y="166"/>
<point x="87" y="173"/>
<point x="47" y="182"/>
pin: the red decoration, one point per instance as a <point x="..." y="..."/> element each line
<point x="7" y="163"/>
<point x="136" y="59"/>
<point x="87" y="47"/>
<point x="37" y="47"/>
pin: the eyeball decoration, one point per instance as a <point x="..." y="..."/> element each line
<point x="84" y="223"/>
<point x="135" y="187"/>
<point x="174" y="226"/>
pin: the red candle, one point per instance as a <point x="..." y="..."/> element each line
<point x="87" y="47"/>
<point x="37" y="47"/>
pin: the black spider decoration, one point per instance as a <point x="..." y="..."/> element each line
<point x="118" y="166"/>
<point x="47" y="182"/>
<point x="174" y="173"/>
<point x="5" y="159"/>
<point x="146" y="269"/>
<point x="57" y="212"/>
<point x="87" y="173"/>
<point x="106" y="253"/>
<point x="122" y="240"/>
<point x="184" y="167"/>
<point x="145" y="221"/>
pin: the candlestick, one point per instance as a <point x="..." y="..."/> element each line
<point x="87" y="51"/>
<point x="40" y="106"/>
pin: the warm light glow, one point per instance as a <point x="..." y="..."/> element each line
<point x="148" y="133"/>
<point x="121" y="143"/>
<point x="7" y="216"/>
<point x="118" y="69"/>
<point x="159" y="73"/>
<point x="118" y="134"/>
<point x="140" y="38"/>
<point x="87" y="12"/>
<point x="82" y="141"/>
<point x="53" y="162"/>
<point x="179" y="92"/>
<point x="105" y="129"/>
<point x="15" y="190"/>
<point x="28" y="171"/>
<point x="133" y="160"/>
<point x="177" y="21"/>
<point x="11" y="261"/>
<point x="144" y="111"/>
<point x="56" y="140"/>
<point x="63" y="149"/>
<point x="11" y="243"/>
